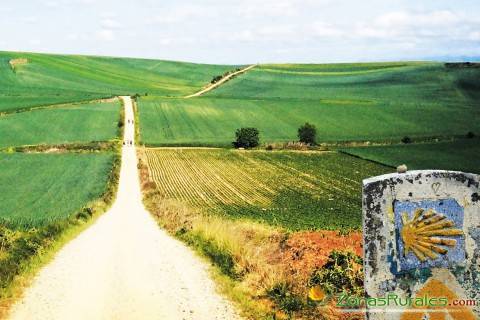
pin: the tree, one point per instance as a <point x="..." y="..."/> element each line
<point x="307" y="133"/>
<point x="246" y="138"/>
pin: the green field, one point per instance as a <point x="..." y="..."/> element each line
<point x="36" y="189"/>
<point x="347" y="102"/>
<point x="212" y="122"/>
<point x="68" y="124"/>
<point x="293" y="190"/>
<point x="48" y="79"/>
<point x="460" y="155"/>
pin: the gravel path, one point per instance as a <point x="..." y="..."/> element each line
<point x="124" y="267"/>
<point x="221" y="81"/>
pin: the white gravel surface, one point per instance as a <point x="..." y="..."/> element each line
<point x="124" y="267"/>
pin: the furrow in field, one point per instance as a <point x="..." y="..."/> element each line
<point x="185" y="180"/>
<point x="243" y="179"/>
<point x="193" y="182"/>
<point x="159" y="174"/>
<point x="211" y="179"/>
<point x="182" y="182"/>
<point x="165" y="173"/>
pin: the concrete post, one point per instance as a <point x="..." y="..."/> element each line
<point x="422" y="242"/>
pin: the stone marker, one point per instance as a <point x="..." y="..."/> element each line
<point x="422" y="245"/>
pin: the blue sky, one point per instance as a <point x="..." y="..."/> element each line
<point x="248" y="31"/>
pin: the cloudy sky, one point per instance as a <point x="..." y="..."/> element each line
<point x="247" y="31"/>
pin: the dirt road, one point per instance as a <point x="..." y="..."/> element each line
<point x="221" y="81"/>
<point x="124" y="267"/>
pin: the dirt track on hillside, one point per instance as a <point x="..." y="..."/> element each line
<point x="221" y="81"/>
<point x="124" y="267"/>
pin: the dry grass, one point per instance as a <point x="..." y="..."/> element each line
<point x="263" y="256"/>
<point x="17" y="62"/>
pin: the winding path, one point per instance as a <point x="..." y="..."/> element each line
<point x="124" y="267"/>
<point x="221" y="81"/>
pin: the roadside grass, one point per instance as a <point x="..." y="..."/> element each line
<point x="458" y="155"/>
<point x="48" y="78"/>
<point x="251" y="260"/>
<point x="69" y="124"/>
<point x="292" y="190"/>
<point x="49" y="194"/>
<point x="23" y="251"/>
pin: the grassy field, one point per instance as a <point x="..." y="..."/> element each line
<point x="69" y="124"/>
<point x="48" y="79"/>
<point x="212" y="122"/>
<point x="293" y="190"/>
<point x="347" y="102"/>
<point x="460" y="155"/>
<point x="36" y="189"/>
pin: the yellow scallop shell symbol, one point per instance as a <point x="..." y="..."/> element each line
<point x="316" y="293"/>
<point x="425" y="234"/>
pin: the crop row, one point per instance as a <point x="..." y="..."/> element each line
<point x="295" y="190"/>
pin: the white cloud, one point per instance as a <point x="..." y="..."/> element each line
<point x="249" y="9"/>
<point x="165" y="41"/>
<point x="182" y="13"/>
<point x="29" y="20"/>
<point x="34" y="42"/>
<point x="474" y="36"/>
<point x="52" y="4"/>
<point x="326" y="30"/>
<point x="105" y="34"/>
<point x="109" y="23"/>
<point x="414" y="26"/>
<point x="403" y="19"/>
<point x="72" y="36"/>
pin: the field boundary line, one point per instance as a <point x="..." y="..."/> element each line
<point x="366" y="159"/>
<point x="59" y="105"/>
<point x="183" y="148"/>
<point x="220" y="82"/>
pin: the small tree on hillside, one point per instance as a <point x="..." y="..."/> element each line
<point x="307" y="133"/>
<point x="246" y="138"/>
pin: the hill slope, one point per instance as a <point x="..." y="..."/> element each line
<point x="377" y="101"/>
<point x="40" y="79"/>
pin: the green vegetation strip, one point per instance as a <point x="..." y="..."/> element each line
<point x="458" y="155"/>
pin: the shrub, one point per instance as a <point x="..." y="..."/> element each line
<point x="307" y="133"/>
<point x="343" y="272"/>
<point x="247" y="138"/>
<point x="406" y="139"/>
<point x="269" y="147"/>
<point x="286" y="300"/>
<point x="470" y="135"/>
<point x="216" y="79"/>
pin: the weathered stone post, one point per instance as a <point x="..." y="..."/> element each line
<point x="422" y="245"/>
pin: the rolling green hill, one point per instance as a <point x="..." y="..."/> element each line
<point x="47" y="79"/>
<point x="347" y="102"/>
